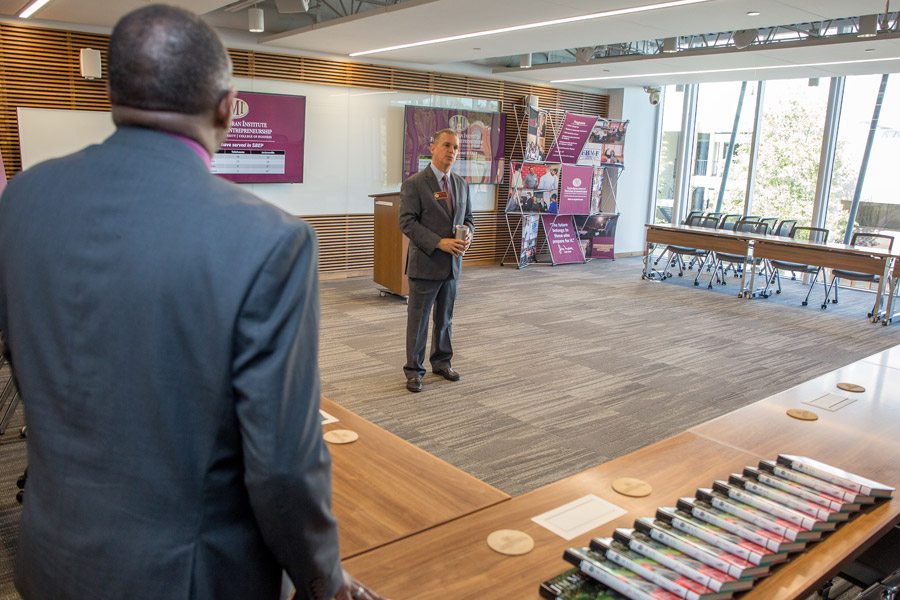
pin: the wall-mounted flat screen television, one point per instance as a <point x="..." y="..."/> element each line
<point x="265" y="144"/>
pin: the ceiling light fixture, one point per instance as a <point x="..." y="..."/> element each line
<point x="256" y="20"/>
<point x="753" y="13"/>
<point x="670" y="45"/>
<point x="731" y="70"/>
<point x="599" y="15"/>
<point x="525" y="61"/>
<point x="868" y="26"/>
<point x="32" y="8"/>
<point x="744" y="38"/>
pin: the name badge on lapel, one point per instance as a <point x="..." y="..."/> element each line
<point x="440" y="195"/>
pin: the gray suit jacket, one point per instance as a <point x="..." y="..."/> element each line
<point x="424" y="219"/>
<point x="163" y="328"/>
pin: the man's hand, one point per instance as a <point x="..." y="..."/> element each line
<point x="468" y="241"/>
<point x="351" y="589"/>
<point x="453" y="246"/>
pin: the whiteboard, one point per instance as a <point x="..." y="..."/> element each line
<point x="353" y="146"/>
<point x="50" y="133"/>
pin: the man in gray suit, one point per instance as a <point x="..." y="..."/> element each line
<point x="433" y="202"/>
<point x="163" y="329"/>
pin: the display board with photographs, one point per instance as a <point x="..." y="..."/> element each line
<point x="605" y="145"/>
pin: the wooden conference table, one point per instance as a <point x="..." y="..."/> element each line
<point x="873" y="261"/>
<point x="384" y="488"/>
<point x="453" y="560"/>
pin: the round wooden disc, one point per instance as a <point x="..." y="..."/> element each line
<point x="340" y="436"/>
<point x="629" y="486"/>
<point x="510" y="542"/>
<point x="803" y="415"/>
<point x="851" y="387"/>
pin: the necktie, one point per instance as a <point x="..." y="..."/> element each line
<point x="446" y="185"/>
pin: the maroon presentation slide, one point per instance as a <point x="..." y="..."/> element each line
<point x="265" y="144"/>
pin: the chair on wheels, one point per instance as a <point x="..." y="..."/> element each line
<point x="737" y="261"/>
<point x="812" y="234"/>
<point x="860" y="239"/>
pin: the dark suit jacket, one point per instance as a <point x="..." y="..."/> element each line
<point x="424" y="219"/>
<point x="163" y="328"/>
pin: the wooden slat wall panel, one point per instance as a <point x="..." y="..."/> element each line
<point x="39" y="68"/>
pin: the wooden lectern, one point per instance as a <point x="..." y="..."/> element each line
<point x="390" y="245"/>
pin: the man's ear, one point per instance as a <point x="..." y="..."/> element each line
<point x="222" y="113"/>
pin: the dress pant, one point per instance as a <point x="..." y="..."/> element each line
<point x="423" y="294"/>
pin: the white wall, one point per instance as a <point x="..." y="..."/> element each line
<point x="353" y="146"/>
<point x="634" y="193"/>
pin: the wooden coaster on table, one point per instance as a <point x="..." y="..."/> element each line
<point x="851" y="387"/>
<point x="629" y="486"/>
<point x="340" y="436"/>
<point x="510" y="542"/>
<point x="803" y="415"/>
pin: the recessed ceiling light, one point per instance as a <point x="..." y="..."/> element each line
<point x="597" y="15"/>
<point x="752" y="13"/>
<point x="870" y="49"/>
<point x="476" y="48"/>
<point x="32" y="8"/>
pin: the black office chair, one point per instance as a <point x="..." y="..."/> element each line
<point x="784" y="228"/>
<point x="771" y="223"/>
<point x="676" y="254"/>
<point x="811" y="234"/>
<point x="860" y="239"/>
<point x="728" y="221"/>
<point x="737" y="261"/>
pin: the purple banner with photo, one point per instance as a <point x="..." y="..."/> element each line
<point x="481" y="137"/>
<point x="572" y="136"/>
<point x="265" y="143"/>
<point x="575" y="191"/>
<point x="605" y="145"/>
<point x="562" y="238"/>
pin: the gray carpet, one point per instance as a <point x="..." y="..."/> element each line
<point x="563" y="367"/>
<point x="566" y="367"/>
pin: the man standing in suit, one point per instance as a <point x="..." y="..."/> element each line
<point x="162" y="325"/>
<point x="432" y="203"/>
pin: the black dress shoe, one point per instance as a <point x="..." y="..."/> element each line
<point x="449" y="374"/>
<point x="414" y="384"/>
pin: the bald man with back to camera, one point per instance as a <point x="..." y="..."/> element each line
<point x="163" y="329"/>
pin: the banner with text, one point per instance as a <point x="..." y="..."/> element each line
<point x="575" y="192"/>
<point x="562" y="238"/>
<point x="571" y="139"/>
<point x="265" y="143"/>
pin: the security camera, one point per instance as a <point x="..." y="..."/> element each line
<point x="653" y="93"/>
